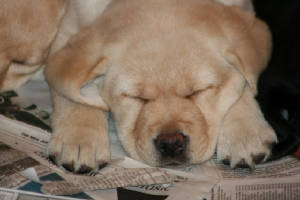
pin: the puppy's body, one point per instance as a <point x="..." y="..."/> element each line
<point x="179" y="77"/>
<point x="32" y="30"/>
<point x="28" y="29"/>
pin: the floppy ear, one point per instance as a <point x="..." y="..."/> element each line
<point x="71" y="70"/>
<point x="250" y="45"/>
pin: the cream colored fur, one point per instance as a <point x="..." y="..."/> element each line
<point x="160" y="66"/>
<point x="28" y="29"/>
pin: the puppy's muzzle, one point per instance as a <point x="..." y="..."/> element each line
<point x="171" y="148"/>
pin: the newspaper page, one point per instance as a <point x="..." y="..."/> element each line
<point x="12" y="163"/>
<point x="9" y="194"/>
<point x="24" y="163"/>
<point x="274" y="180"/>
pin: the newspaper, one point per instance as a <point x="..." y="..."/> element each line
<point x="275" y="180"/>
<point x="9" y="194"/>
<point x="24" y="163"/>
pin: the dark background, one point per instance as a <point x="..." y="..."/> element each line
<point x="278" y="86"/>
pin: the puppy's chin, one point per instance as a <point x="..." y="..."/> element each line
<point x="173" y="162"/>
<point x="159" y="160"/>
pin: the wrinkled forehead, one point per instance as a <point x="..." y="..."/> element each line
<point x="180" y="62"/>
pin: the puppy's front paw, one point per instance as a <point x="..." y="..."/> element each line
<point x="79" y="150"/>
<point x="243" y="146"/>
<point x="246" y="138"/>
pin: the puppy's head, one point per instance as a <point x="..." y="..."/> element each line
<point x="169" y="98"/>
<point x="168" y="83"/>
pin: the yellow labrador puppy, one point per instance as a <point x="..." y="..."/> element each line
<point x="179" y="77"/>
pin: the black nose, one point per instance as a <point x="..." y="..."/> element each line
<point x="171" y="145"/>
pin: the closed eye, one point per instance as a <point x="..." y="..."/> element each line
<point x="141" y="99"/>
<point x="197" y="92"/>
<point x="193" y="94"/>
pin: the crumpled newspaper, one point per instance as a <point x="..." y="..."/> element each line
<point x="121" y="177"/>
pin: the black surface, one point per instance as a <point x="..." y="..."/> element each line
<point x="124" y="194"/>
<point x="278" y="86"/>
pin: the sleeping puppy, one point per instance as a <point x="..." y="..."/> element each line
<point x="178" y="76"/>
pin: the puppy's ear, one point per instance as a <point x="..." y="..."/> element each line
<point x="71" y="70"/>
<point x="250" y="46"/>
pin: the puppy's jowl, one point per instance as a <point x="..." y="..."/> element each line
<point x="178" y="76"/>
